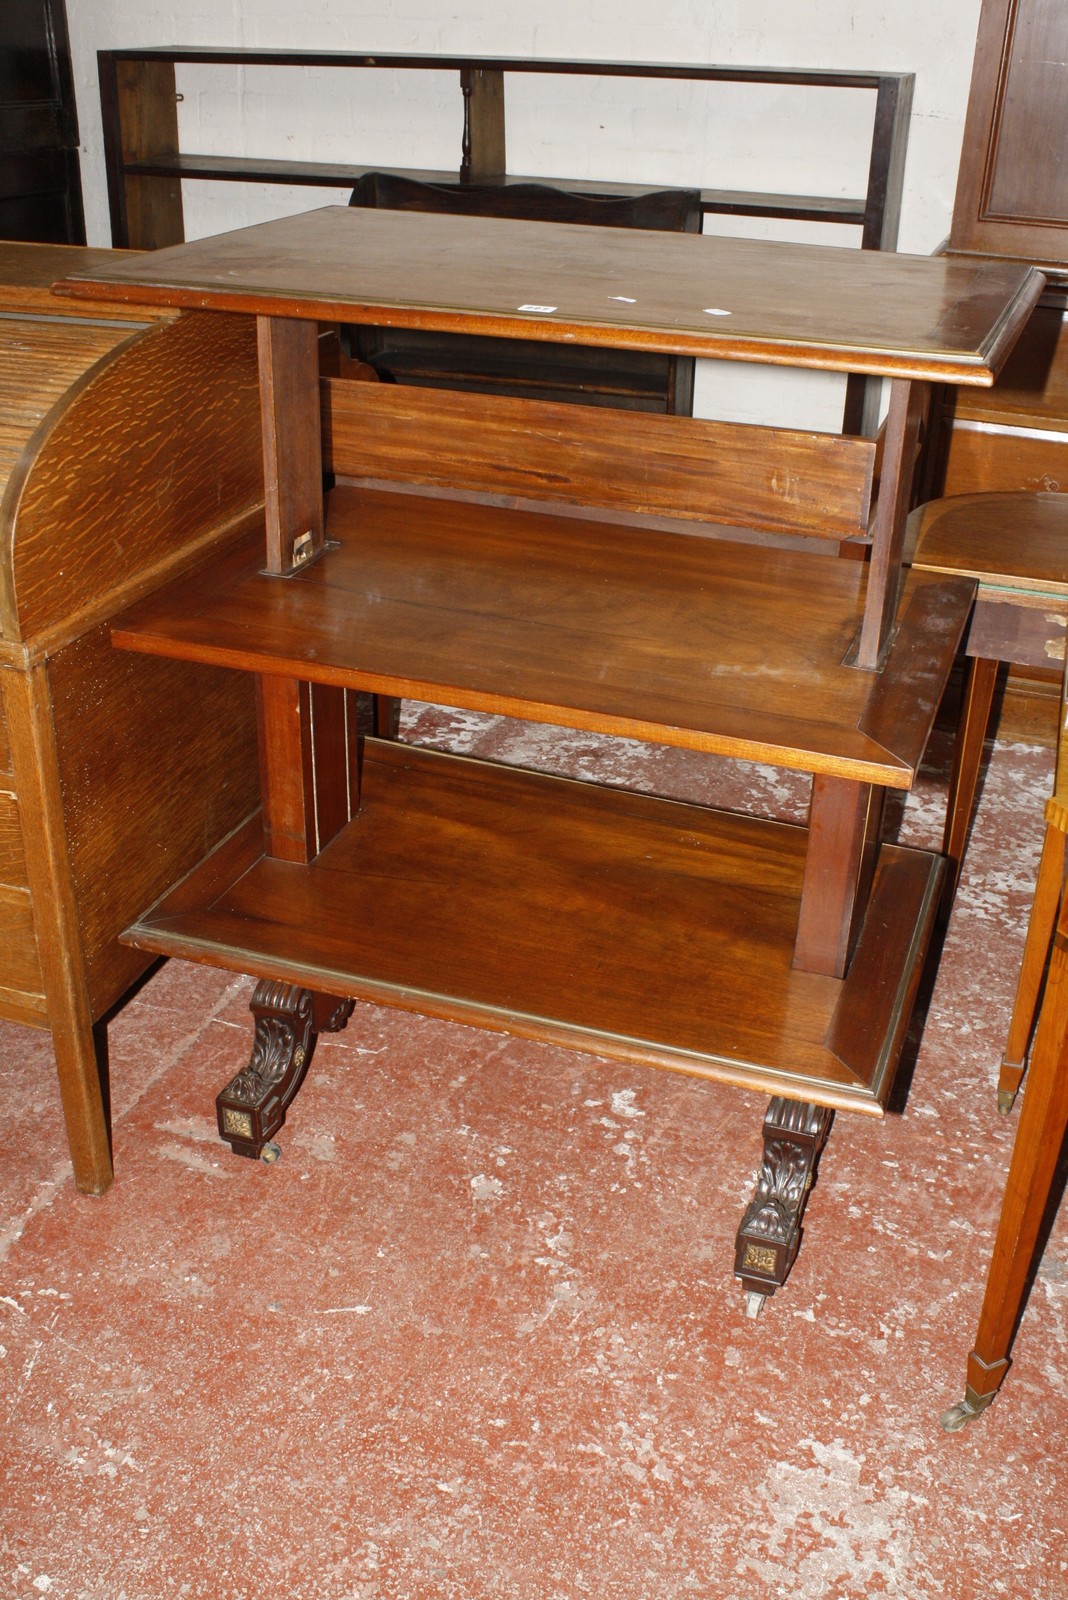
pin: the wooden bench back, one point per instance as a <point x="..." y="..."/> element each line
<point x="772" y="479"/>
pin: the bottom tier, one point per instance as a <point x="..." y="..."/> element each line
<point x="614" y="922"/>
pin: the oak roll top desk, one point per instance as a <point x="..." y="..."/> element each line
<point x="596" y="570"/>
<point x="129" y="446"/>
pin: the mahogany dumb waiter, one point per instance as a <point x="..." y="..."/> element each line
<point x="676" y="936"/>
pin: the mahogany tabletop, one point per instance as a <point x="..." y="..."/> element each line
<point x="930" y="317"/>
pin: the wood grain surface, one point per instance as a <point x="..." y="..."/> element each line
<point x="292" y="442"/>
<point x="20" y="967"/>
<point x="1015" y="542"/>
<point x="157" y="763"/>
<point x="28" y="271"/>
<point x="776" y="479"/>
<point x="132" y="488"/>
<point x="39" y="362"/>
<point x="708" y="644"/>
<point x="5" y="744"/>
<point x="542" y="906"/>
<point x="742" y="300"/>
<point x="12" y="855"/>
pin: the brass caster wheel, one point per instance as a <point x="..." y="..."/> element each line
<point x="271" y="1153"/>
<point x="965" y="1411"/>
<point x="754" y="1303"/>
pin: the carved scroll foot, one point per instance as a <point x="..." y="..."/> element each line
<point x="252" y="1107"/>
<point x="767" y="1241"/>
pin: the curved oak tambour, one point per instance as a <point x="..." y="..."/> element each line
<point x="129" y="452"/>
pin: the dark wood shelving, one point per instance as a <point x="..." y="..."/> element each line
<point x="146" y="166"/>
<point x="343" y="175"/>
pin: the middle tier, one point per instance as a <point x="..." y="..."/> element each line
<point x="708" y="643"/>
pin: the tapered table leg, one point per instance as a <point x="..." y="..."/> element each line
<point x="1034" y="1161"/>
<point x="1044" y="910"/>
<point x="974" y="720"/>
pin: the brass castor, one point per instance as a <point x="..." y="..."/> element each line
<point x="965" y="1411"/>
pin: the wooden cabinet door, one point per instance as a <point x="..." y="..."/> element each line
<point x="1012" y="199"/>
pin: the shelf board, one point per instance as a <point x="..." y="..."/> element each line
<point x="343" y="175"/>
<point x="223" y="55"/>
<point x="798" y="207"/>
<point x="704" y="643"/>
<point x="635" y="927"/>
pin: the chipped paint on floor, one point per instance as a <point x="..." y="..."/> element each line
<point x="477" y="1335"/>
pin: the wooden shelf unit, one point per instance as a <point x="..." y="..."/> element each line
<point x="146" y="166"/>
<point x="784" y="958"/>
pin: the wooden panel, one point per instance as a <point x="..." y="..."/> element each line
<point x="20" y="967"/>
<point x="1011" y="198"/>
<point x="1015" y="435"/>
<point x="60" y="944"/>
<point x="491" y="895"/>
<point x="1027" y="176"/>
<point x="25" y="1006"/>
<point x="689" y="641"/>
<point x="335" y="717"/>
<point x="876" y="1006"/>
<point x="140" y="101"/>
<point x="864" y="311"/>
<point x="986" y="460"/>
<point x="766" y="478"/>
<point x="12" y="856"/>
<point x="1032" y="389"/>
<point x="1027" y="636"/>
<point x="5" y="743"/>
<point x="157" y="761"/>
<point x="94" y="518"/>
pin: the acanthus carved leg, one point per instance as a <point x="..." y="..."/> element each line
<point x="252" y="1107"/>
<point x="767" y="1241"/>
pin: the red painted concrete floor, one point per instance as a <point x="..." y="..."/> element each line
<point x="477" y="1335"/>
